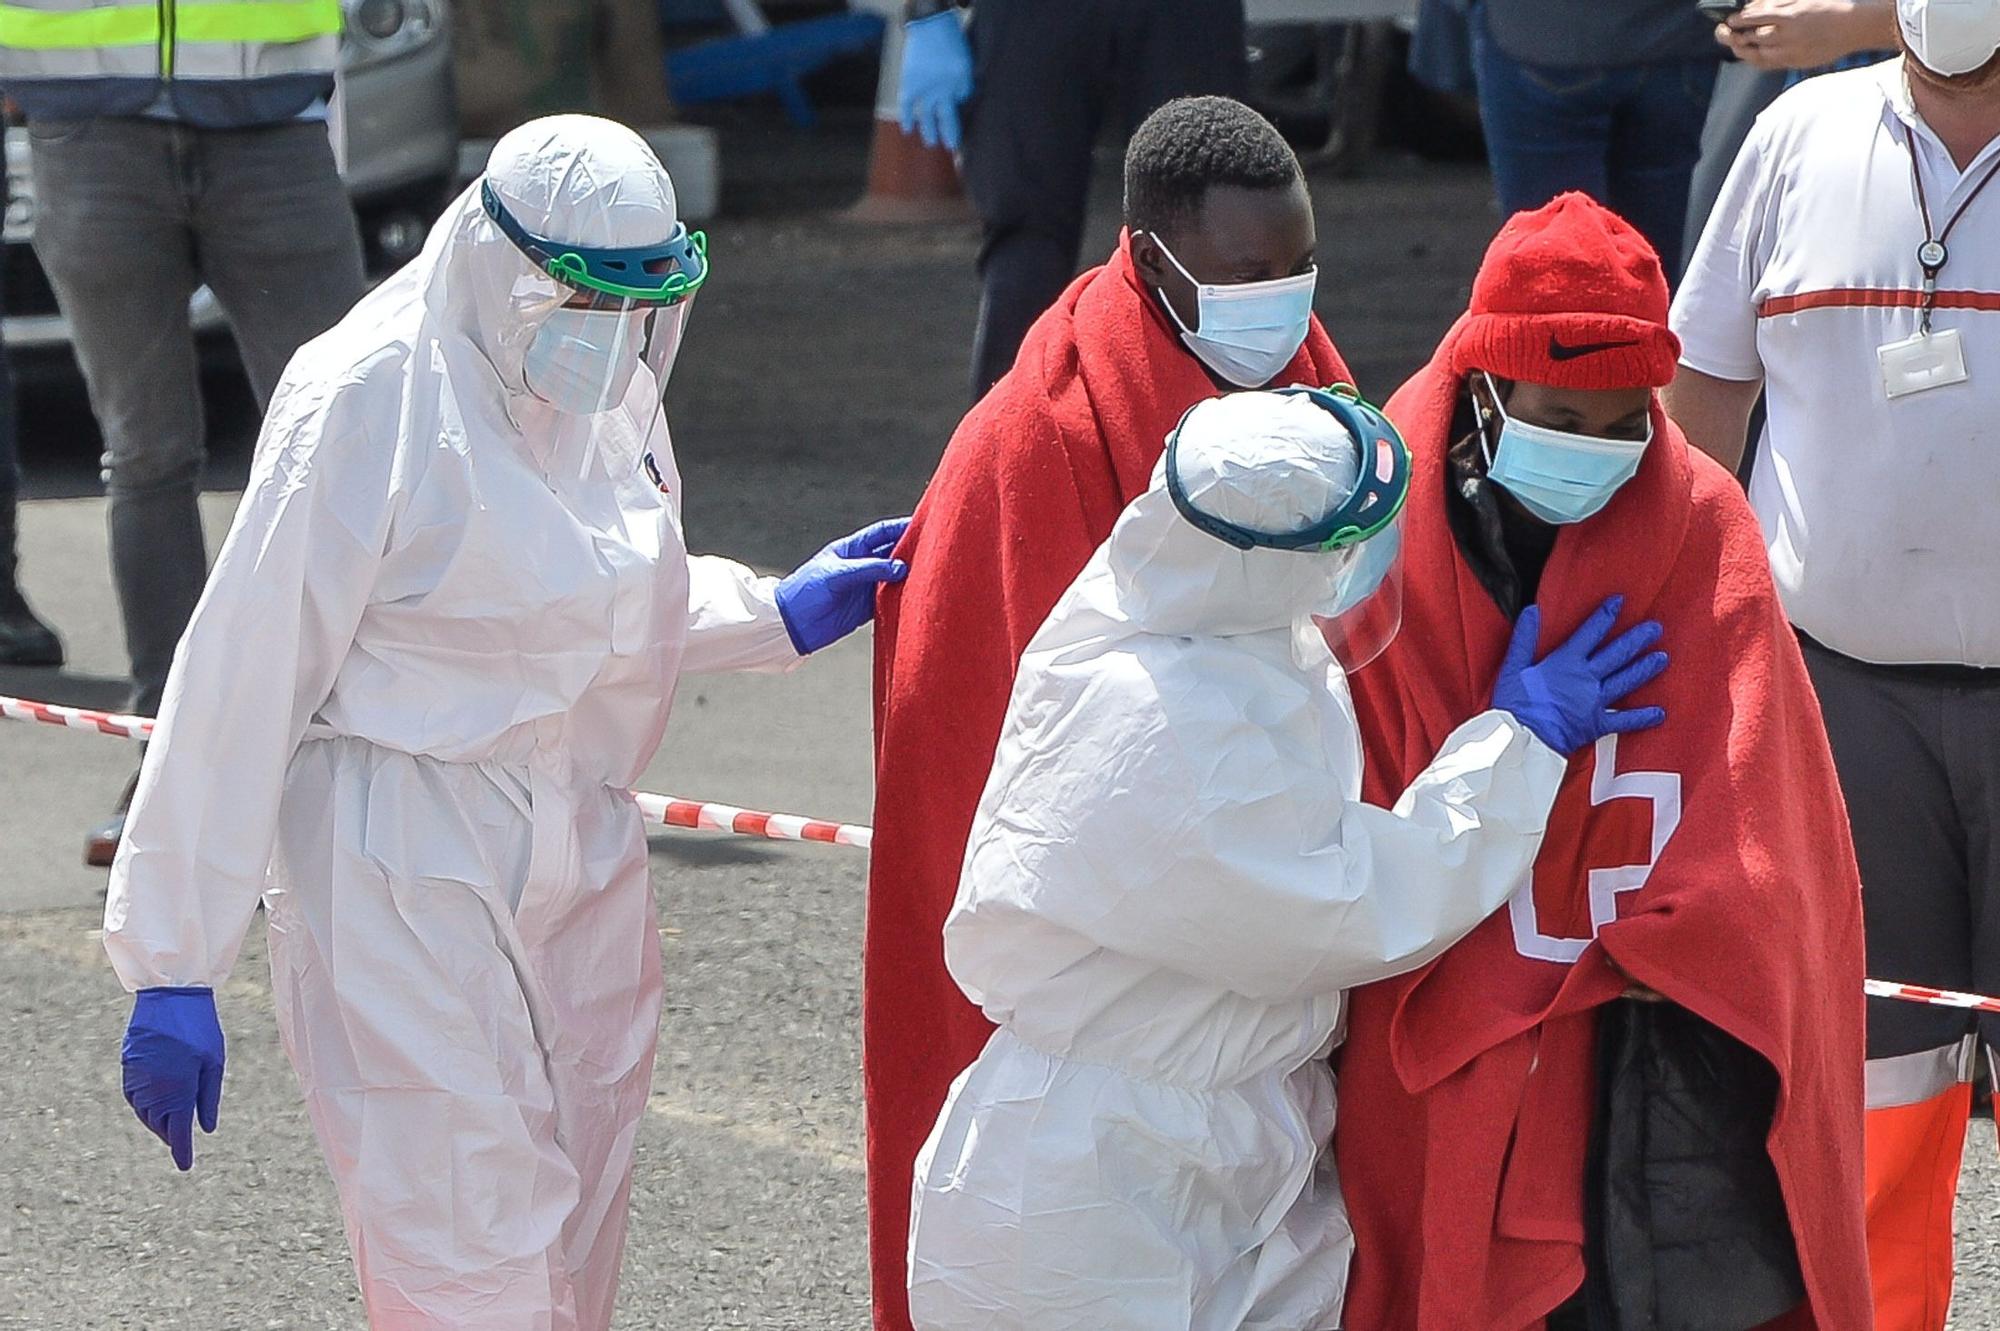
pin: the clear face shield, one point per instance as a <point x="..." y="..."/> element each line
<point x="1363" y="607"/>
<point x="605" y="324"/>
<point x="1367" y="607"/>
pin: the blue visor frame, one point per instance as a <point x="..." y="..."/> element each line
<point x="1379" y="494"/>
<point x="664" y="274"/>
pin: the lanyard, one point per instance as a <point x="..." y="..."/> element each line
<point x="1932" y="254"/>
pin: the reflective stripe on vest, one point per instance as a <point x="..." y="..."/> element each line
<point x="254" y="60"/>
<point x="72" y="25"/>
<point x="71" y="39"/>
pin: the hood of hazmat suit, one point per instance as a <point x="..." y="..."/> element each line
<point x="440" y="642"/>
<point x="1170" y="882"/>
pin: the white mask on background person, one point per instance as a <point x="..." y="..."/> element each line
<point x="582" y="361"/>
<point x="1951" y="37"/>
<point x="1246" y="331"/>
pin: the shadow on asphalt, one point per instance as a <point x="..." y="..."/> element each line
<point x="60" y="686"/>
<point x="701" y="850"/>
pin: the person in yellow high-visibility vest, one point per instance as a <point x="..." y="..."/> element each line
<point x="190" y="141"/>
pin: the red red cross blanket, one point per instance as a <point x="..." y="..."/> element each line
<point x="1708" y="859"/>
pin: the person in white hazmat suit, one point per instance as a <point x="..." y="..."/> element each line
<point x="440" y="643"/>
<point x="1171" y="880"/>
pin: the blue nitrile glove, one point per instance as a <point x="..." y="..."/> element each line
<point x="833" y="593"/>
<point x="936" y="78"/>
<point x="173" y="1065"/>
<point x="1566" y="698"/>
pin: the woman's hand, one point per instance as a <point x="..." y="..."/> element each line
<point x="1806" y="34"/>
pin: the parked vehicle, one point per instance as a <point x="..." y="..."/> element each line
<point x="394" y="124"/>
<point x="1334" y="76"/>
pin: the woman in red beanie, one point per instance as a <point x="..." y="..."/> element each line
<point x="1631" y="1099"/>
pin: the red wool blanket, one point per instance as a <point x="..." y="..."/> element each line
<point x="1709" y="859"/>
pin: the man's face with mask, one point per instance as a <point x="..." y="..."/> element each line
<point x="1238" y="238"/>
<point x="1952" y="45"/>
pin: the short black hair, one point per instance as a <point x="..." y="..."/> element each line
<point x="1192" y="144"/>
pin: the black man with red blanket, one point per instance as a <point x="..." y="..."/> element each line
<point x="1220" y="227"/>
<point x="1632" y="1098"/>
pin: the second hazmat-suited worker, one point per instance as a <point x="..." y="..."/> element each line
<point x="441" y="641"/>
<point x="1172" y="878"/>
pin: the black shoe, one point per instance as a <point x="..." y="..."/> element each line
<point x="24" y="639"/>
<point x="102" y="846"/>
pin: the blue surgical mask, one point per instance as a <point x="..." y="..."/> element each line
<point x="1558" y="476"/>
<point x="1247" y="332"/>
<point x="582" y="361"/>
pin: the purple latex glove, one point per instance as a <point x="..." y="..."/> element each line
<point x="1567" y="698"/>
<point x="833" y="593"/>
<point x="173" y="1058"/>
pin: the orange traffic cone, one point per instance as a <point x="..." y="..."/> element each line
<point x="908" y="182"/>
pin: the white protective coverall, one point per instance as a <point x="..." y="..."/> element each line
<point x="440" y="643"/>
<point x="1169" y="882"/>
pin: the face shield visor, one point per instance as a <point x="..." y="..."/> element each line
<point x="1362" y="607"/>
<point x="1366" y="611"/>
<point x="606" y="323"/>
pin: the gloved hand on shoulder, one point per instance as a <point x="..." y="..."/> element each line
<point x="833" y="593"/>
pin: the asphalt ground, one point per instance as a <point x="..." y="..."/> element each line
<point x="824" y="371"/>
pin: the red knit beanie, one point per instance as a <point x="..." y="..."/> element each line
<point x="1569" y="295"/>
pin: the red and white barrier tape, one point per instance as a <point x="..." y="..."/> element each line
<point x="1918" y="993"/>
<point x="76" y="718"/>
<point x="673" y="812"/>
<point x="664" y="809"/>
<point x="749" y="822"/>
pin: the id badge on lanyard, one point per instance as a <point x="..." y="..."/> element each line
<point x="1933" y="358"/>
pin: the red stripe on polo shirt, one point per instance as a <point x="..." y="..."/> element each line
<point x="1875" y="298"/>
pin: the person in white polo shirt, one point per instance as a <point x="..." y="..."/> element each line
<point x="1851" y="274"/>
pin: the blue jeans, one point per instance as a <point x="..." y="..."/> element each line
<point x="261" y="217"/>
<point x="1627" y="135"/>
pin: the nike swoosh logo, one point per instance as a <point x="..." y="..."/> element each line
<point x="1557" y="351"/>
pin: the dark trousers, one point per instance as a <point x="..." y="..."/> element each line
<point x="10" y="471"/>
<point x="131" y="217"/>
<point x="1046" y="73"/>
<point x="1627" y="135"/>
<point x="10" y="477"/>
<point x="1918" y="751"/>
